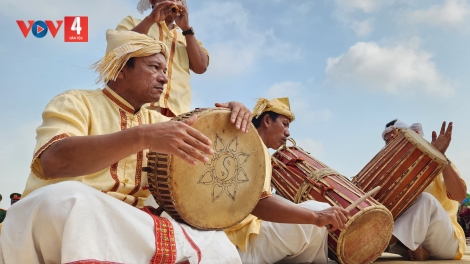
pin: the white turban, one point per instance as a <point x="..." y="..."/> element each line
<point x="398" y="124"/>
<point x="123" y="45"/>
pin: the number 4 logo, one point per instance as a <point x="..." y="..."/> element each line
<point x="76" y="29"/>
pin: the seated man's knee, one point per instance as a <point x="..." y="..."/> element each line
<point x="427" y="198"/>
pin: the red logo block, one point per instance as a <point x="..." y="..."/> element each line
<point x="76" y="29"/>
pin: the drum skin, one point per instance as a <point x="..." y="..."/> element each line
<point x="299" y="177"/>
<point x="217" y="195"/>
<point x="403" y="168"/>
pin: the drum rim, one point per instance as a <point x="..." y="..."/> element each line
<point x="380" y="208"/>
<point x="425" y="147"/>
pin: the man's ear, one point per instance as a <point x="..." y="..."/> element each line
<point x="122" y="73"/>
<point x="266" y="121"/>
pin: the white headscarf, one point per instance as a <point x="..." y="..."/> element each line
<point x="398" y="124"/>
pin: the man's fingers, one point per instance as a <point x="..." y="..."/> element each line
<point x="190" y="121"/>
<point x="221" y="105"/>
<point x="449" y="128"/>
<point x="434" y="136"/>
<point x="184" y="156"/>
<point x="197" y="140"/>
<point x="194" y="154"/>
<point x="234" y="117"/>
<point x="443" y="128"/>
<point x="246" y="121"/>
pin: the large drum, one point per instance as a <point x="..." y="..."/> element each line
<point x="299" y="177"/>
<point x="403" y="168"/>
<point x="219" y="194"/>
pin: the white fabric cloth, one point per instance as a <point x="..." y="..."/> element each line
<point x="426" y="223"/>
<point x="399" y="124"/>
<point x="71" y="221"/>
<point x="288" y="243"/>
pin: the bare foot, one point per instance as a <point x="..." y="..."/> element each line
<point x="419" y="254"/>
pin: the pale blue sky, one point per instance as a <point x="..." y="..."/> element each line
<point x="348" y="66"/>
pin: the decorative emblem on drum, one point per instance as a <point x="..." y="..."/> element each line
<point x="224" y="170"/>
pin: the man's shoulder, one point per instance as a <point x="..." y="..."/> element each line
<point x="128" y="21"/>
<point x="80" y="93"/>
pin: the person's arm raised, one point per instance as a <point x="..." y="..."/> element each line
<point x="82" y="155"/>
<point x="198" y="59"/>
<point x="159" y="12"/>
<point x="454" y="184"/>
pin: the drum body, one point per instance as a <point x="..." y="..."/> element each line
<point x="403" y="168"/>
<point x="221" y="193"/>
<point x="299" y="177"/>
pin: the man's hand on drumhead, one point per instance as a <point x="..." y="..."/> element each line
<point x="180" y="139"/>
<point x="442" y="141"/>
<point x="241" y="115"/>
<point x="333" y="218"/>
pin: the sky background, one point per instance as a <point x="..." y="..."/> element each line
<point x="348" y="67"/>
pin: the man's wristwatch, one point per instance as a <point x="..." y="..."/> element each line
<point x="190" y="31"/>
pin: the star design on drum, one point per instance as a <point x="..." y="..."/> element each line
<point x="224" y="171"/>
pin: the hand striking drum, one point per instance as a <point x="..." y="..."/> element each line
<point x="299" y="177"/>
<point x="221" y="193"/>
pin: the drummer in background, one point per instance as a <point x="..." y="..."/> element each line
<point x="186" y="52"/>
<point x="429" y="228"/>
<point x="279" y="229"/>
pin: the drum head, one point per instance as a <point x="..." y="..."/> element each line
<point x="423" y="145"/>
<point x="366" y="237"/>
<point x="222" y="193"/>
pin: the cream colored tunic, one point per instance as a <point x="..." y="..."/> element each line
<point x="177" y="93"/>
<point x="95" y="112"/>
<point x="438" y="189"/>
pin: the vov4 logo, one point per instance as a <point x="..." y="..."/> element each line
<point x="75" y="28"/>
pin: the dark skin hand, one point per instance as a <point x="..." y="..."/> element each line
<point x="275" y="209"/>
<point x="454" y="184"/>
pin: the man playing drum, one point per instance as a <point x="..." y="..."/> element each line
<point x="83" y="201"/>
<point x="279" y="229"/>
<point x="429" y="228"/>
<point x="186" y="52"/>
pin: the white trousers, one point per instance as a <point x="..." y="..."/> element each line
<point x="426" y="223"/>
<point x="288" y="243"/>
<point x="70" y="221"/>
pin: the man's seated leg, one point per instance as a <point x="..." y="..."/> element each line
<point x="425" y="224"/>
<point x="292" y="243"/>
<point x="70" y="221"/>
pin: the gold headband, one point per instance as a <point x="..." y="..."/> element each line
<point x="278" y="105"/>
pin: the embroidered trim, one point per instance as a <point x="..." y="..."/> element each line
<point x="160" y="31"/>
<point x="45" y="146"/>
<point x="167" y="112"/>
<point x="138" y="166"/>
<point x="117" y="102"/>
<point x="136" y="201"/>
<point x="170" y="68"/>
<point x="165" y="246"/>
<point x="113" y="172"/>
<point x="193" y="245"/>
<point x="123" y="119"/>
<point x="264" y="194"/>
